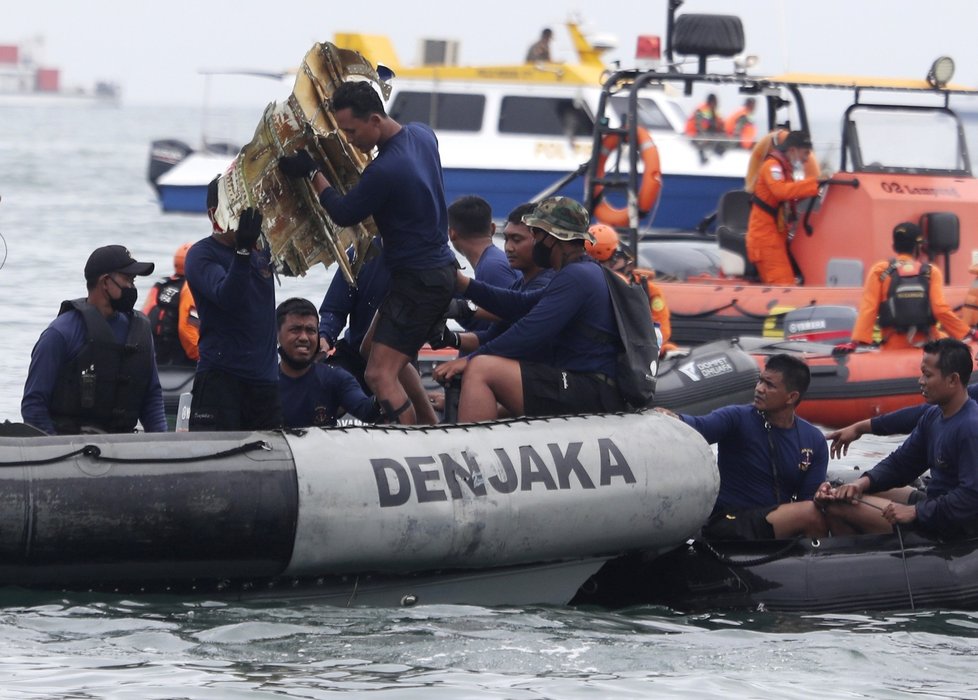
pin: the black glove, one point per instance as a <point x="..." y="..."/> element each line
<point x="249" y="228"/>
<point x="299" y="165"/>
<point x="446" y="339"/>
<point x="461" y="310"/>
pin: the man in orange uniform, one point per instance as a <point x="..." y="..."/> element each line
<point x="908" y="296"/>
<point x="173" y="315"/>
<point x="606" y="251"/>
<point x="740" y="125"/>
<point x="705" y="126"/>
<point x="773" y="208"/>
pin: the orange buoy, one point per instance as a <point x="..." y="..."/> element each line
<point x="648" y="193"/>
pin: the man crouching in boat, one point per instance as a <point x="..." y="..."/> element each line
<point x="313" y="393"/>
<point x="94" y="369"/>
<point x="771" y="461"/>
<point x="945" y="441"/>
<point x="573" y="312"/>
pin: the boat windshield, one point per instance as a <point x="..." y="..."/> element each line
<point x="905" y="140"/>
<point x="650" y="115"/>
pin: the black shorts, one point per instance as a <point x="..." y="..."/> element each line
<point x="223" y="401"/>
<point x="548" y="391"/>
<point x="749" y="524"/>
<point x="414" y="305"/>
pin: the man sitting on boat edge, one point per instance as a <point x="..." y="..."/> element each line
<point x="571" y="312"/>
<point x="771" y="461"/>
<point x="945" y="441"/>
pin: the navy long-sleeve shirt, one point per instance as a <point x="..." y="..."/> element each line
<point x="540" y="281"/>
<point x="235" y="297"/>
<point x="403" y="189"/>
<point x="903" y="420"/>
<point x="571" y="312"/>
<point x="315" y="398"/>
<point x="358" y="304"/>
<point x="744" y="457"/>
<point x="949" y="448"/>
<point x="60" y="343"/>
<point x="493" y="268"/>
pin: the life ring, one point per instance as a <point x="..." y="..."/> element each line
<point x="648" y="192"/>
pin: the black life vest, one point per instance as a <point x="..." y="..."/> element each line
<point x="907" y="304"/>
<point x="103" y="387"/>
<point x="164" y="319"/>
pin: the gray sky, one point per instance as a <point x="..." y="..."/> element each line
<point x="154" y="49"/>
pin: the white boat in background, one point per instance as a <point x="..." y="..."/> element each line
<point x="25" y="82"/>
<point x="506" y="132"/>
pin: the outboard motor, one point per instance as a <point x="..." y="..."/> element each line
<point x="163" y="155"/>
<point x="820" y="323"/>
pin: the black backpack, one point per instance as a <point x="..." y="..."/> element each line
<point x="638" y="359"/>
<point x="907" y="304"/>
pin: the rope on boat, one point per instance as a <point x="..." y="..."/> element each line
<point x="732" y="305"/>
<point x="95" y="452"/>
<point x="703" y="545"/>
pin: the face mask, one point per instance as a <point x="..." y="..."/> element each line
<point x="541" y="255"/>
<point x="126" y="302"/>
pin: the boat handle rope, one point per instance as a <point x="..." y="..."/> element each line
<point x="731" y="305"/>
<point x="903" y="551"/>
<point x="95" y="452"/>
<point x="724" y="559"/>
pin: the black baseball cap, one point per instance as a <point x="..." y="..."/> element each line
<point x="796" y="139"/>
<point x="908" y="233"/>
<point x="114" y="258"/>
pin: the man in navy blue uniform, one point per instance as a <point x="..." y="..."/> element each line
<point x="899" y="422"/>
<point x="402" y="188"/>
<point x="313" y="393"/>
<point x="945" y="441"/>
<point x="573" y="315"/>
<point x="470" y="230"/>
<point x="771" y="461"/>
<point x="93" y="368"/>
<point x="518" y="249"/>
<point x="358" y="305"/>
<point x="236" y="383"/>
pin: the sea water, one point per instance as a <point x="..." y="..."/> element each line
<point x="74" y="179"/>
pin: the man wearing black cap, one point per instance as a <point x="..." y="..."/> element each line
<point x="93" y="368"/>
<point x="907" y="295"/>
<point x="772" y="211"/>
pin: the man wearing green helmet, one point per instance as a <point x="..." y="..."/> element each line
<point x="574" y="314"/>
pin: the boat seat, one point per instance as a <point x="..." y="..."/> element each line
<point x="733" y="212"/>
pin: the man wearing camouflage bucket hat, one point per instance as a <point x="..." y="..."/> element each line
<point x="573" y="314"/>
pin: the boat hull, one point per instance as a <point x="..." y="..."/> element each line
<point x="691" y="196"/>
<point x="701" y="311"/>
<point x="797" y="575"/>
<point x="325" y="508"/>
